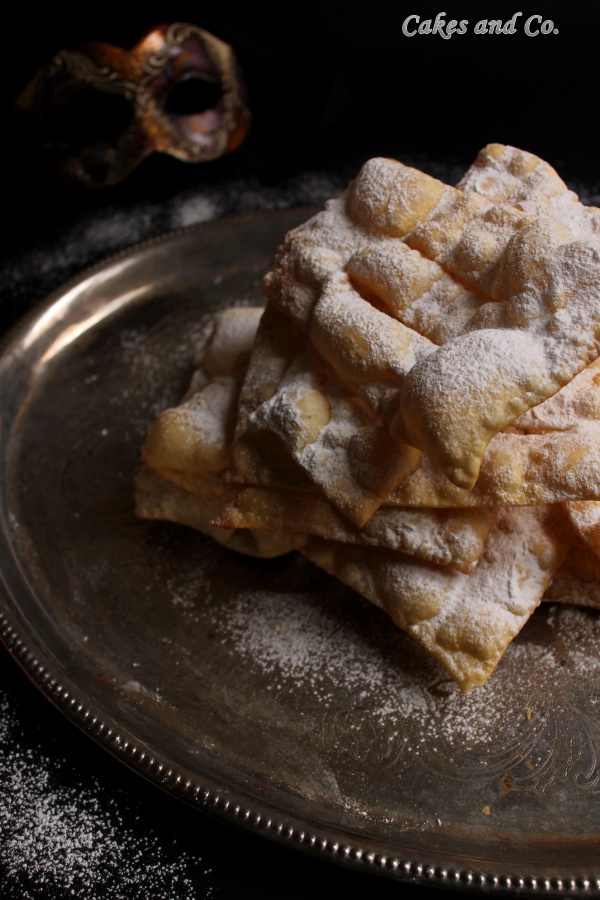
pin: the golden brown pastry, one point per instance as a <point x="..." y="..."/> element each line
<point x="417" y="409"/>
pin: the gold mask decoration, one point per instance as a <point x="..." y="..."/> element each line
<point x="98" y="111"/>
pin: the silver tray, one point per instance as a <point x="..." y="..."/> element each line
<point x="264" y="692"/>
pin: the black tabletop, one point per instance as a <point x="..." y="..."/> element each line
<point x="327" y="91"/>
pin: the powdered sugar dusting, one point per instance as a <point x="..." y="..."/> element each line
<point x="536" y="267"/>
<point x="300" y="645"/>
<point x="303" y="642"/>
<point x="61" y="837"/>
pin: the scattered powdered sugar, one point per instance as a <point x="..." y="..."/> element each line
<point x="246" y="195"/>
<point x="56" y="836"/>
<point x="304" y="643"/>
<point x="195" y="209"/>
<point x="531" y="673"/>
<point x="353" y="659"/>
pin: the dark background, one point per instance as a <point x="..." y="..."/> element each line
<point x="336" y="82"/>
<point x="329" y="85"/>
<point x="326" y="77"/>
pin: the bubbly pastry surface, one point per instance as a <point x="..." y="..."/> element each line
<point x="521" y="284"/>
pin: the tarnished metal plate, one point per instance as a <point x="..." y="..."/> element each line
<point x="264" y="691"/>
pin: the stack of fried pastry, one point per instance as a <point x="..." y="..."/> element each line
<point x="417" y="409"/>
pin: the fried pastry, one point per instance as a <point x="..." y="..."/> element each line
<point x="417" y="410"/>
<point x="510" y="356"/>
<point x="517" y="470"/>
<point x="508" y="175"/>
<point x="464" y="621"/>
<point x="548" y="455"/>
<point x="585" y="518"/>
<point x="256" y="455"/>
<point x="334" y="438"/>
<point x="577" y="581"/>
<point x="159" y="499"/>
<point x="190" y="444"/>
<point x="188" y="449"/>
<point x="448" y="537"/>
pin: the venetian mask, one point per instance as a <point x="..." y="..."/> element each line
<point x="98" y="111"/>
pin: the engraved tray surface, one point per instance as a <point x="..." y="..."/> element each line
<point x="263" y="691"/>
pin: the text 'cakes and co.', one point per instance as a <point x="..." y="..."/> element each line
<point x="532" y="26"/>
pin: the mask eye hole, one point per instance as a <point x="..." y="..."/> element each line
<point x="191" y="96"/>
